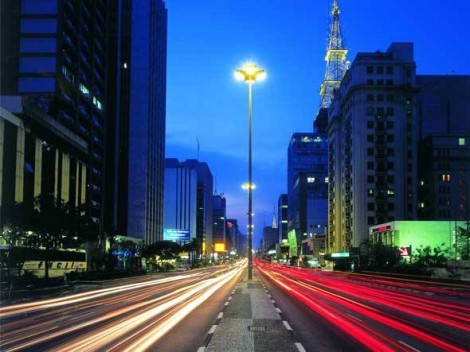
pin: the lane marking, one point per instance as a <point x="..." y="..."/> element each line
<point x="299" y="346"/>
<point x="221" y="314"/>
<point x="278" y="310"/>
<point x="404" y="343"/>
<point x="201" y="349"/>
<point x="212" y="330"/>
<point x="286" y="324"/>
<point x="226" y="303"/>
<point x="352" y="316"/>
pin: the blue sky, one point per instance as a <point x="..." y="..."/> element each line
<point x="209" y="39"/>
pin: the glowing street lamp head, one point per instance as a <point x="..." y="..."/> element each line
<point x="247" y="186"/>
<point x="250" y="73"/>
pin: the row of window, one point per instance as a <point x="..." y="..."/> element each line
<point x="380" y="82"/>
<point x="380" y="112"/>
<point x="380" y="97"/>
<point x="379" y="70"/>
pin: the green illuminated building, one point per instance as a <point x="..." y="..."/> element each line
<point x="417" y="233"/>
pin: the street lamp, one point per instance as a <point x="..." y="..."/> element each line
<point x="250" y="73"/>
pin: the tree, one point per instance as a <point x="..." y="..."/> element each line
<point x="162" y="249"/>
<point x="427" y="257"/>
<point x="383" y="257"/>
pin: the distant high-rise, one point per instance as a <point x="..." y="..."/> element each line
<point x="188" y="198"/>
<point x="53" y="78"/>
<point x="373" y="137"/>
<point x="307" y="185"/>
<point x="282" y="217"/>
<point x="220" y="242"/>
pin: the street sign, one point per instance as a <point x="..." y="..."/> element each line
<point x="404" y="251"/>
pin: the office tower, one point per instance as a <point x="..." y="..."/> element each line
<point x="220" y="242"/>
<point x="188" y="198"/>
<point x="307" y="184"/>
<point x="282" y="217"/>
<point x="53" y="79"/>
<point x="233" y="232"/>
<point x="372" y="134"/>
<point x="146" y="121"/>
<point x="444" y="149"/>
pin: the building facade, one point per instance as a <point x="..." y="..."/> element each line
<point x="53" y="81"/>
<point x="307" y="184"/>
<point x="372" y="152"/>
<point x="188" y="198"/>
<point x="220" y="242"/>
<point x="444" y="147"/>
<point x="146" y="153"/>
<point x="282" y="217"/>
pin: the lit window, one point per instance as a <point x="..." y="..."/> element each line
<point x="326" y="179"/>
<point x="84" y="89"/>
<point x="421" y="205"/>
<point x="310" y="179"/>
<point x="461" y="141"/>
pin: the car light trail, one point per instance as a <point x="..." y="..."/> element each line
<point x="121" y="318"/>
<point x="371" y="314"/>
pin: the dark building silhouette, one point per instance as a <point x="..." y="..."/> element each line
<point x="444" y="147"/>
<point x="53" y="79"/>
<point x="135" y="144"/>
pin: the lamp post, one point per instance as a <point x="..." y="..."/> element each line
<point x="250" y="73"/>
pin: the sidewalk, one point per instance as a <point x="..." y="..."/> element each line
<point x="250" y="321"/>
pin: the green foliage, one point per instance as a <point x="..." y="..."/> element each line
<point x="430" y="257"/>
<point x="383" y="257"/>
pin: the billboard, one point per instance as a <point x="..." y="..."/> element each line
<point x="219" y="247"/>
<point x="292" y="240"/>
<point x="176" y="235"/>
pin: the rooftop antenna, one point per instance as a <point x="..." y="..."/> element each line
<point x="197" y="140"/>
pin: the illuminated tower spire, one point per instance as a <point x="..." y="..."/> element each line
<point x="335" y="59"/>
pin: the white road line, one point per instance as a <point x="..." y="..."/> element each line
<point x="212" y="330"/>
<point x="286" y="324"/>
<point x="226" y="303"/>
<point x="278" y="310"/>
<point x="221" y="314"/>
<point x="405" y="344"/>
<point x="273" y="301"/>
<point x="352" y="316"/>
<point x="201" y="349"/>
<point x="299" y="346"/>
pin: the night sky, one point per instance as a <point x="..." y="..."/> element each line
<point x="209" y="39"/>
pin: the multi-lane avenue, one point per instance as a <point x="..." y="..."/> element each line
<point x="381" y="314"/>
<point x="329" y="311"/>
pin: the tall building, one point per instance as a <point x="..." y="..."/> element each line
<point x="307" y="184"/>
<point x="282" y="217"/>
<point x="188" y="198"/>
<point x="444" y="149"/>
<point x="220" y="242"/>
<point x="53" y="92"/>
<point x="146" y="120"/>
<point x="373" y="135"/>
<point x="233" y="233"/>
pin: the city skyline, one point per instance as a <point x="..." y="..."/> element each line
<point x="207" y="108"/>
